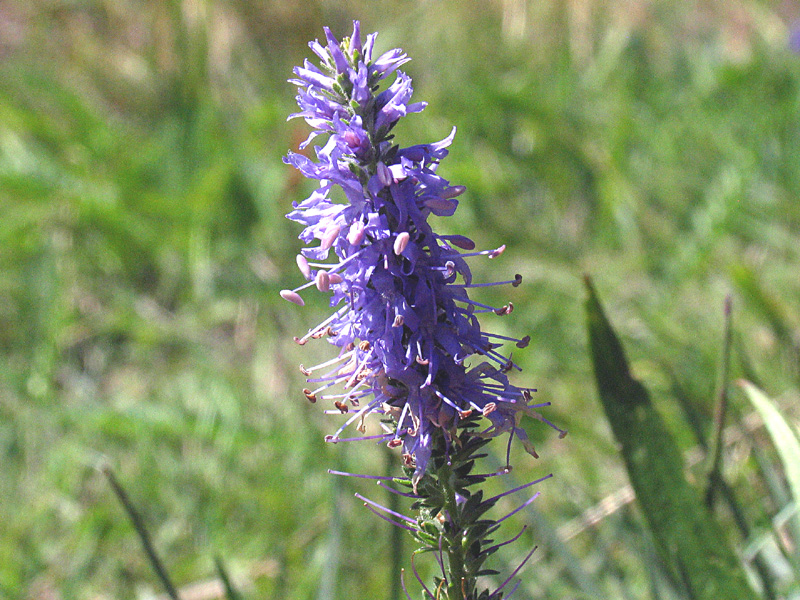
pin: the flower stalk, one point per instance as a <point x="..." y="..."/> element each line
<point x="410" y="346"/>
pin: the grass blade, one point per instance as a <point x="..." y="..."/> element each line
<point x="786" y="442"/>
<point x="230" y="591"/>
<point x="688" y="540"/>
<point x="144" y="536"/>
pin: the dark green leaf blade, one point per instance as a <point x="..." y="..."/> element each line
<point x="689" y="541"/>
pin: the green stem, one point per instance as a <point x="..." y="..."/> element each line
<point x="459" y="582"/>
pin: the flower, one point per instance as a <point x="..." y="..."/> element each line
<point x="404" y="323"/>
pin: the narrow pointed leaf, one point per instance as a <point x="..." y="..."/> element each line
<point x="785" y="440"/>
<point x="688" y="540"/>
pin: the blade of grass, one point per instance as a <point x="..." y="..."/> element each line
<point x="230" y="591"/>
<point x="786" y="442"/>
<point x="144" y="536"/>
<point x="688" y="540"/>
<point x="720" y="411"/>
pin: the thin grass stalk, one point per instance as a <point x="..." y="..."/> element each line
<point x="144" y="536"/>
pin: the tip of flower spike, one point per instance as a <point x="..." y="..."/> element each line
<point x="292" y="296"/>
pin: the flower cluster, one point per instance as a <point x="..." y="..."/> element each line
<point x="405" y="325"/>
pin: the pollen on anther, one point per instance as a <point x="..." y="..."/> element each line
<point x="497" y="252"/>
<point x="310" y="395"/>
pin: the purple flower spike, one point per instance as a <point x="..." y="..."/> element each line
<point x="410" y="344"/>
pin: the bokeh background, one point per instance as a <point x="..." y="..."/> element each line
<point x="652" y="144"/>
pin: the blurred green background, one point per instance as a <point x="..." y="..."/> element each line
<point x="653" y="144"/>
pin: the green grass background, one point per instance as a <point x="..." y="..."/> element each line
<point x="655" y="145"/>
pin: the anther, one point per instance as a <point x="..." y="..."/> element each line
<point x="401" y="241"/>
<point x="305" y="371"/>
<point x="398" y="321"/>
<point x="497" y="252"/>
<point x="310" y="395"/>
<point x="517" y="280"/>
<point x="341" y="406"/>
<point x="302" y="264"/>
<point x="422" y="361"/>
<point x="505" y="310"/>
<point x="489" y="408"/>
<point x="395" y="442"/>
<point x="330" y="237"/>
<point x="323" y="280"/>
<point x="299" y="341"/>
<point x="356" y="234"/>
<point x="523" y="343"/>
<point x="292" y="297"/>
<point x="364" y="346"/>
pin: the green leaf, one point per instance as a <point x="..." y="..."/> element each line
<point x="786" y="442"/>
<point x="688" y="540"/>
